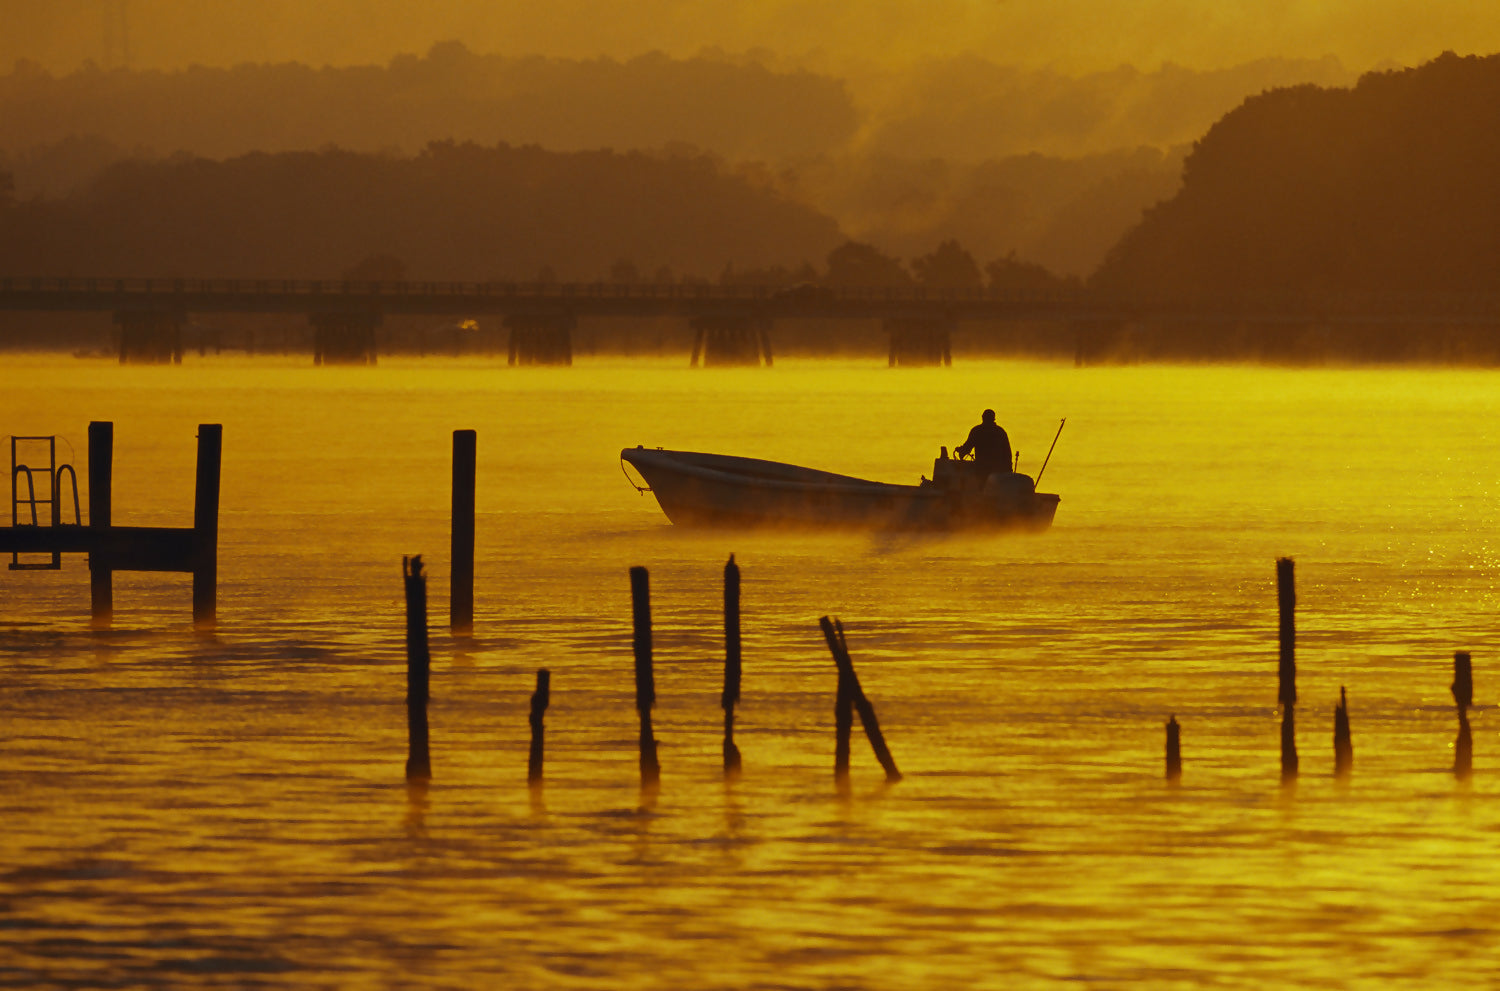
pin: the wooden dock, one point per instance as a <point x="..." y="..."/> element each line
<point x="193" y="550"/>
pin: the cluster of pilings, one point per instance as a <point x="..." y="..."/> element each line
<point x="849" y="697"/>
<point x="150" y="336"/>
<point x="1286" y="699"/>
<point x="541" y="338"/>
<point x="731" y="339"/>
<point x="917" y="341"/>
<point x="344" y="338"/>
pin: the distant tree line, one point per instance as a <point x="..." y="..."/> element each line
<point x="459" y="211"/>
<point x="1386" y="187"/>
<point x="454" y="211"/>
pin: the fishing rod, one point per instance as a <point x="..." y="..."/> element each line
<point x="1049" y="450"/>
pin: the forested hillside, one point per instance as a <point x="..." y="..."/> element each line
<point x="1388" y="186"/>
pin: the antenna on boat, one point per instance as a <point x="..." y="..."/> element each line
<point x="1049" y="450"/>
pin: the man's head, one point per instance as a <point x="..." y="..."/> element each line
<point x="989" y="416"/>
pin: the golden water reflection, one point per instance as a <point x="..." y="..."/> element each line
<point x="231" y="810"/>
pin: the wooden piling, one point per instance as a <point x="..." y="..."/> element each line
<point x="1288" y="743"/>
<point x="1343" y="745"/>
<point x="1463" y="680"/>
<point x="1286" y="597"/>
<point x="645" y="683"/>
<point x="1463" y="748"/>
<point x="1286" y="600"/>
<point x="731" y="696"/>
<point x="539" y="701"/>
<point x="101" y="483"/>
<point x="206" y="526"/>
<point x="1463" y="697"/>
<point x="461" y="591"/>
<point x="843" y="727"/>
<point x="833" y="632"/>
<point x="418" y="667"/>
<point x="1174" y="750"/>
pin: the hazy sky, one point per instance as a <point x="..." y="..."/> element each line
<point x="1071" y="35"/>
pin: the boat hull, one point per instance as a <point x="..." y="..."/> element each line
<point x="714" y="490"/>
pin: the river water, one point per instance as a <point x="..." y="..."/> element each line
<point x="229" y="809"/>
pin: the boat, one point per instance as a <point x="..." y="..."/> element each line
<point x="720" y="490"/>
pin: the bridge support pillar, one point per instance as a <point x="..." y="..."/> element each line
<point x="920" y="341"/>
<point x="1096" y="340"/>
<point x="731" y="339"/>
<point x="540" y="338"/>
<point x="346" y="338"/>
<point x="150" y="337"/>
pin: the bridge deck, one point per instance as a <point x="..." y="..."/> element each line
<point x="649" y="299"/>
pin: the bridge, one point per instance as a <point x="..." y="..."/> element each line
<point x="731" y="324"/>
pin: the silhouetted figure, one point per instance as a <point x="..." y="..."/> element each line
<point x="989" y="443"/>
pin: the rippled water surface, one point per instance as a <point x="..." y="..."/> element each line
<point x="229" y="810"/>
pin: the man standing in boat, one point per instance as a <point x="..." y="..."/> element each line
<point x="990" y="445"/>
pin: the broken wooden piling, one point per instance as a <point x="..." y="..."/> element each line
<point x="731" y="696"/>
<point x="1174" y="750"/>
<point x="461" y="587"/>
<point x="539" y="701"/>
<point x="843" y="727"/>
<point x="1286" y="597"/>
<point x="833" y="632"/>
<point x="645" y="683"/>
<point x="1343" y="744"/>
<point x="418" y="666"/>
<point x="1463" y="697"/>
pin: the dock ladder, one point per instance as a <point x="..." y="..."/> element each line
<point x="42" y="502"/>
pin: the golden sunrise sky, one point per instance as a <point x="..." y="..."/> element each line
<point x="1068" y="35"/>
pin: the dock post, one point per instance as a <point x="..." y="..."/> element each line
<point x="539" y="701"/>
<point x="731" y="694"/>
<point x="1463" y="679"/>
<point x="461" y="592"/>
<point x="1174" y="750"/>
<point x="101" y="482"/>
<point x="1463" y="697"/>
<point x="418" y="668"/>
<point x="206" y="526"/>
<point x="1286" y="597"/>
<point x="645" y="682"/>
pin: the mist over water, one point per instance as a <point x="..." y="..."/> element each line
<point x="188" y="810"/>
